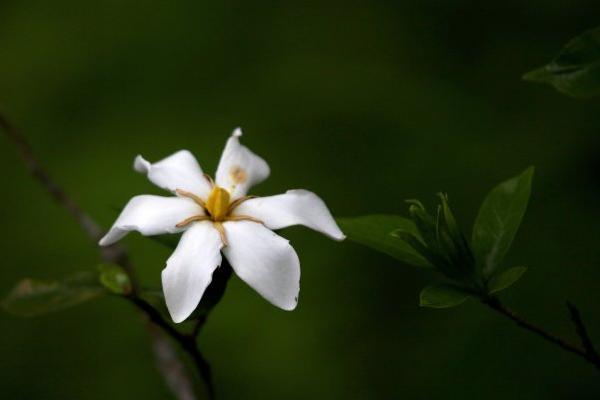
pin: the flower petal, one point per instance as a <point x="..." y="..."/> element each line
<point x="151" y="215"/>
<point x="178" y="171"/>
<point x="189" y="269"/>
<point x="239" y="168"/>
<point x="265" y="261"/>
<point x="295" y="207"/>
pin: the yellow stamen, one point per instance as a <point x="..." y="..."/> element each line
<point x="218" y="207"/>
<point x="218" y="203"/>
<point x="189" y="220"/>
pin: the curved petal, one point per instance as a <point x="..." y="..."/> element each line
<point x="189" y="269"/>
<point x="151" y="215"/>
<point x="295" y="207"/>
<point x="265" y="261"/>
<point x="178" y="171"/>
<point x="239" y="168"/>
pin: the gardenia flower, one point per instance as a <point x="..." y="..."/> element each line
<point x="218" y="217"/>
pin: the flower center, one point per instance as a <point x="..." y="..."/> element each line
<point x="219" y="208"/>
<point x="217" y="204"/>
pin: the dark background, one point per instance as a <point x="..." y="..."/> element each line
<point x="365" y="103"/>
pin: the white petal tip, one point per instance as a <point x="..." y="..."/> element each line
<point x="104" y="241"/>
<point x="287" y="306"/>
<point x="177" y="314"/>
<point x="178" y="318"/>
<point x="237" y="132"/>
<point x="140" y="164"/>
<point x="290" y="306"/>
<point x="339" y="238"/>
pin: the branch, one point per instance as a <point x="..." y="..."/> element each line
<point x="212" y="296"/>
<point x="112" y="254"/>
<point x="495" y="304"/>
<point x="586" y="342"/>
<point x="186" y="342"/>
<point x="198" y="326"/>
<point x="87" y="224"/>
<point x="170" y="365"/>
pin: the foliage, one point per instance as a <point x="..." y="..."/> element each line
<point x="114" y="278"/>
<point x="374" y="231"/>
<point x="470" y="267"/>
<point x="498" y="220"/>
<point x="505" y="279"/>
<point x="32" y="297"/>
<point x="575" y="71"/>
<point x="442" y="296"/>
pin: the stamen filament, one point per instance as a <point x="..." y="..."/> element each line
<point x="189" y="220"/>
<point x="243" y="218"/>
<point x="218" y="209"/>
<point x="192" y="196"/>
<point x="210" y="180"/>
<point x="237" y="202"/>
<point x="219" y="227"/>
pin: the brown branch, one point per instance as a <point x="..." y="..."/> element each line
<point x="187" y="343"/>
<point x="117" y="255"/>
<point x="198" y="326"/>
<point x="170" y="365"/>
<point x="495" y="304"/>
<point x="111" y="254"/>
<point x="586" y="342"/>
<point x="87" y="224"/>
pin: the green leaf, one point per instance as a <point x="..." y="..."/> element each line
<point x="505" y="279"/>
<point x="115" y="279"/>
<point x="443" y="296"/>
<point x="424" y="223"/>
<point x="499" y="219"/>
<point x="375" y="231"/>
<point x="575" y="71"/>
<point x="435" y="259"/>
<point x="452" y="240"/>
<point x="32" y="297"/>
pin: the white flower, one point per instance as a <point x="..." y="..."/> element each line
<point x="219" y="217"/>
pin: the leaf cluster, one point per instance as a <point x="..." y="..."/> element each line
<point x="33" y="297"/>
<point x="470" y="267"/>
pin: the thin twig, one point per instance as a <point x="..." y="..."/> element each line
<point x="112" y="254"/>
<point x="198" y="326"/>
<point x="169" y="364"/>
<point x="92" y="229"/>
<point x="586" y="342"/>
<point x="186" y="342"/>
<point x="495" y="304"/>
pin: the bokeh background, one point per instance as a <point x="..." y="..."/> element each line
<point x="366" y="103"/>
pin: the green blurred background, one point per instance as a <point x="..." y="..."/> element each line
<point x="365" y="103"/>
